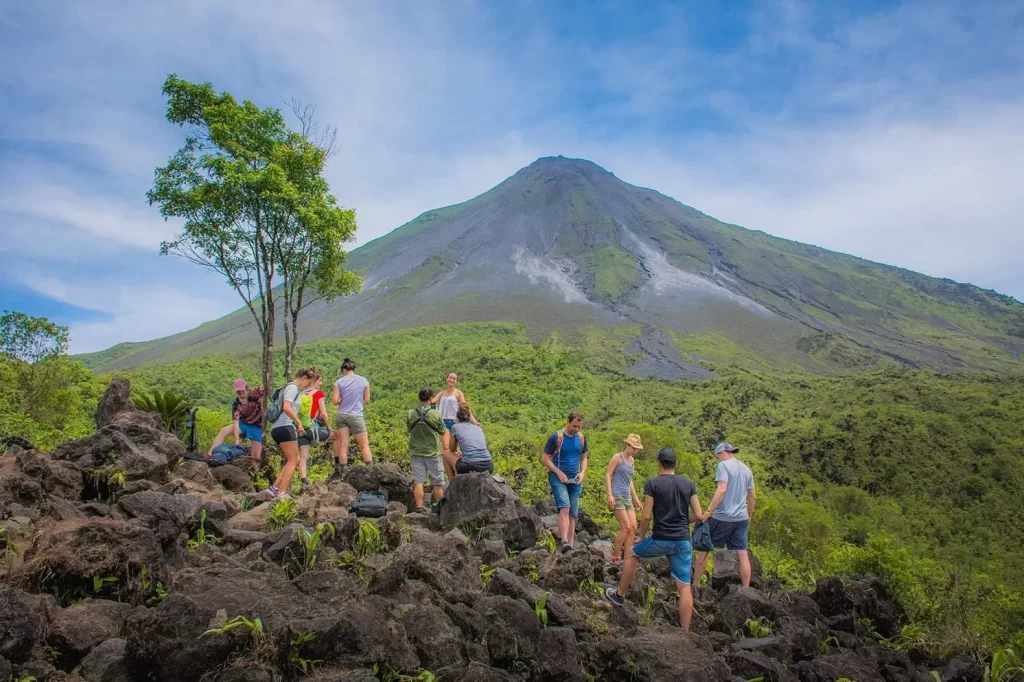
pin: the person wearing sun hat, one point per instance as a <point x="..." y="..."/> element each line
<point x="729" y="512"/>
<point x="247" y="419"/>
<point x="622" y="497"/>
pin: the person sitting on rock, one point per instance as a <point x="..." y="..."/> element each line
<point x="565" y="458"/>
<point x="468" y="451"/>
<point x="287" y="428"/>
<point x="671" y="500"/>
<point x="247" y="419"/>
<point x="728" y="515"/>
<point x="425" y="430"/>
<point x="622" y="497"/>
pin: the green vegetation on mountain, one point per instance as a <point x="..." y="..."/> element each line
<point x="610" y="272"/>
<point x="909" y="474"/>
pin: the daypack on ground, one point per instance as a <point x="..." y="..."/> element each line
<point x="222" y="454"/>
<point x="276" y="406"/>
<point x="369" y="505"/>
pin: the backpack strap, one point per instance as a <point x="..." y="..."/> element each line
<point x="559" y="437"/>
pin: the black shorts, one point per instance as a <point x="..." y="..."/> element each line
<point x="728" y="534"/>
<point x="463" y="467"/>
<point x="284" y="434"/>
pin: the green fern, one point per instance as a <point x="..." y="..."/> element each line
<point x="540" y="607"/>
<point x="171" y="407"/>
<point x="281" y="514"/>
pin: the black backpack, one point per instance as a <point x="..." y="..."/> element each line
<point x="422" y="412"/>
<point x="369" y="505"/>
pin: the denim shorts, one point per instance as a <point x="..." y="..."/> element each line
<point x="728" y="534"/>
<point x="448" y="424"/>
<point x="679" y="553"/>
<point x="566" y="494"/>
<point x="251" y="431"/>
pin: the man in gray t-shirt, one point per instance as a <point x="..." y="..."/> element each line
<point x="729" y="512"/>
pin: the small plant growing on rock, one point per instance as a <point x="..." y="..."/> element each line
<point x="202" y="537"/>
<point x="311" y="540"/>
<point x="281" y="514"/>
<point x="7" y="545"/>
<point x="1006" y="665"/>
<point x="590" y="587"/>
<point x="540" y="607"/>
<point x="100" y="582"/>
<point x="261" y="644"/>
<point x="761" y="627"/>
<point x="646" y="614"/>
<point x="596" y="625"/>
<point x="294" y="654"/>
<point x="486" y="573"/>
<point x="547" y="541"/>
<point x="368" y="539"/>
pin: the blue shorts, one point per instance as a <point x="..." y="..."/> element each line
<point x="566" y="494"/>
<point x="679" y="553"/>
<point x="448" y="424"/>
<point x="251" y="431"/>
<point x="728" y="534"/>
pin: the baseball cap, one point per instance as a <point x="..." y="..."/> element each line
<point x="240" y="385"/>
<point x="667" y="456"/>
<point x="725" y="447"/>
<point x="633" y="440"/>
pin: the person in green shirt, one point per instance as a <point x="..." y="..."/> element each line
<point x="425" y="430"/>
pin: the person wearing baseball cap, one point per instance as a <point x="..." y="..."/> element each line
<point x="728" y="515"/>
<point x="670" y="500"/>
<point x="622" y="497"/>
<point x="247" y="419"/>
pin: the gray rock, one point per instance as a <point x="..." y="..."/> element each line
<point x="106" y="663"/>
<point x="79" y="628"/>
<point x="478" y="498"/>
<point x="20" y="627"/>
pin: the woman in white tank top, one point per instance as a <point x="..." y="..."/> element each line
<point x="448" y="402"/>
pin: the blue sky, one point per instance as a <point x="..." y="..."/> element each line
<point x="890" y="130"/>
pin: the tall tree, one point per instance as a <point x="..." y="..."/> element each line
<point x="253" y="199"/>
<point x="31" y="339"/>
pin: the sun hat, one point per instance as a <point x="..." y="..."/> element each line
<point x="240" y="385"/>
<point x="633" y="440"/>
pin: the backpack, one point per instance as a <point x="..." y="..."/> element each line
<point x="702" y="538"/>
<point x="276" y="406"/>
<point x="369" y="505"/>
<point x="558" y="445"/>
<point x="222" y="454"/>
<point x="421" y="417"/>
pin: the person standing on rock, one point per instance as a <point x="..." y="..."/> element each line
<point x="468" y="437"/>
<point x="448" y="401"/>
<point x="730" y="510"/>
<point x="622" y="497"/>
<point x="287" y="428"/>
<point x="425" y="430"/>
<point x="565" y="458"/>
<point x="312" y="404"/>
<point x="247" y="416"/>
<point x="670" y="500"/>
<point x="350" y="393"/>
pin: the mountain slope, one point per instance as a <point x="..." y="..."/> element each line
<point x="564" y="245"/>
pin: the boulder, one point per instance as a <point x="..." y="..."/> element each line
<point x="566" y="571"/>
<point x="830" y="595"/>
<point x="556" y="658"/>
<point x="962" y="669"/>
<point x="20" y="627"/>
<point x="115" y="401"/>
<point x="660" y="654"/>
<point x="772" y="646"/>
<point x="395" y="484"/>
<point x="478" y="498"/>
<point x="512" y="631"/>
<point x="64" y="559"/>
<point x="749" y="665"/>
<point x="78" y="629"/>
<point x="739" y="605"/>
<point x="475" y="672"/>
<point x="524" y="530"/>
<point x="170" y="517"/>
<point x="106" y="663"/>
<point x="233" y="478"/>
<point x="832" y="667"/>
<point x="436" y="639"/>
<point x="871" y="599"/>
<point x="726" y="570"/>
<point x="30" y="479"/>
<point x="602" y="549"/>
<point x="197" y="472"/>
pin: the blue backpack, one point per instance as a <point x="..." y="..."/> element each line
<point x="222" y="454"/>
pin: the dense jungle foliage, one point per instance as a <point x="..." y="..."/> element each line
<point x="910" y="475"/>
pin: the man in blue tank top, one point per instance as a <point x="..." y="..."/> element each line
<point x="565" y="457"/>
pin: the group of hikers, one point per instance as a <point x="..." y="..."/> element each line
<point x="446" y="440"/>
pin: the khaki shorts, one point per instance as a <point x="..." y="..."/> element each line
<point x="353" y="422"/>
<point x="625" y="502"/>
<point x="428" y="467"/>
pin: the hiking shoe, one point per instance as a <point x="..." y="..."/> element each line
<point x="273" y="491"/>
<point x="612" y="595"/>
<point x="564" y="547"/>
<point x="418" y="510"/>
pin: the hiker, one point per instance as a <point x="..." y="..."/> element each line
<point x="468" y="438"/>
<point x="565" y="457"/>
<point x="669" y="499"/>
<point x="425" y="430"/>
<point x="350" y="393"/>
<point x="729" y="512"/>
<point x="622" y="497"/>
<point x="312" y="408"/>
<point x="448" y="401"/>
<point x="286" y="429"/>
<point x="247" y="416"/>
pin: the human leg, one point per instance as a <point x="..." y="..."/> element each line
<point x="560" y="492"/>
<point x="303" y="458"/>
<point x="221" y="436"/>
<point x="286" y="438"/>
<point x="419" y="475"/>
<point x="628" y="545"/>
<point x="700" y="564"/>
<point x="256" y="451"/>
<point x="619" y="543"/>
<point x="341" y="445"/>
<point x="575" y="490"/>
<point x="737" y="541"/>
<point x="364" y="447"/>
<point x="685" y="605"/>
<point x="680" y="561"/>
<point x="435" y="472"/>
<point x="743" y="561"/>
<point x="451" y="461"/>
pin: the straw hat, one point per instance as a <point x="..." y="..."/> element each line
<point x="634" y="441"/>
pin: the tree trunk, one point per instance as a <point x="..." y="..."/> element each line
<point x="268" y="373"/>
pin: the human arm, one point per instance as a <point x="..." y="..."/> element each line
<point x="645" y="521"/>
<point x="366" y="395"/>
<point x="336" y="395"/>
<point x="612" y="464"/>
<point x="716" y="500"/>
<point x="289" y="410"/>
<point x="636" y="498"/>
<point x="549" y="464"/>
<point x="695" y="512"/>
<point x="321" y="409"/>
<point x="436" y="423"/>
<point x="584" y="464"/>
<point x="751" y="499"/>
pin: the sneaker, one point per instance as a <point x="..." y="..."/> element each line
<point x="612" y="595"/>
<point x="616" y="559"/>
<point x="564" y="547"/>
<point x="273" y="491"/>
<point x="417" y="510"/>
